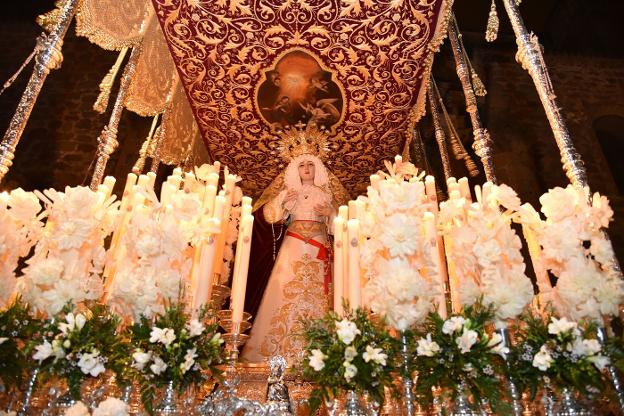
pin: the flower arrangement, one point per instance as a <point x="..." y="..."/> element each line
<point x="347" y="353"/>
<point x="69" y="257"/>
<point x="397" y="255"/>
<point x="485" y="251"/>
<point x="16" y="327"/>
<point x="21" y="227"/>
<point x="572" y="245"/>
<point x="174" y="348"/>
<point x="76" y="345"/>
<point x="457" y="354"/>
<point x="561" y="352"/>
<point x="156" y="255"/>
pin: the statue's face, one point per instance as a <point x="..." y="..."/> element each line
<point x="306" y="170"/>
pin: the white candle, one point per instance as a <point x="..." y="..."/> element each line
<point x="209" y="199"/>
<point x="352" y="210"/>
<point x="464" y="188"/>
<point x="454" y="187"/>
<point x="485" y="192"/>
<point x="451" y="180"/>
<point x="152" y="179"/>
<point x="246" y="206"/>
<point x="213" y="179"/>
<point x="398" y="159"/>
<point x="454" y="194"/>
<point x="360" y="209"/>
<point x="143" y="182"/>
<point x="175" y="181"/>
<point x="177" y="171"/>
<point x="437" y="256"/>
<point x="201" y="281"/>
<point x="338" y="277"/>
<point x="241" y="268"/>
<point x="355" y="289"/>
<point x="109" y="182"/>
<point x="374" y="179"/>
<point x="219" y="207"/>
<point x="343" y="212"/>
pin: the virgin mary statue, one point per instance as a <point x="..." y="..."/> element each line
<point x="302" y="202"/>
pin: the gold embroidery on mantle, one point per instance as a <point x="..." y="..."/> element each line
<point x="307" y="229"/>
<point x="303" y="296"/>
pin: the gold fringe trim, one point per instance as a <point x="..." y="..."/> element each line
<point x="101" y="103"/>
<point x="491" y="32"/>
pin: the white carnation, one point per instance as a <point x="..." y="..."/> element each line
<point x="346" y="331"/>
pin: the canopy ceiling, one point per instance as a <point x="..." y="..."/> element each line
<point x="354" y="67"/>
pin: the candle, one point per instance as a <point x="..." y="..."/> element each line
<point x="201" y="280"/>
<point x="213" y="179"/>
<point x="375" y="179"/>
<point x="454" y="187"/>
<point x="143" y="181"/>
<point x="209" y="200"/>
<point x="360" y="208"/>
<point x="241" y="267"/>
<point x="220" y="213"/>
<point x="485" y="192"/>
<point x="109" y="182"/>
<point x="246" y="206"/>
<point x="437" y="256"/>
<point x="464" y="188"/>
<point x="352" y="210"/>
<point x="398" y="159"/>
<point x="343" y="212"/>
<point x="451" y="180"/>
<point x="177" y="171"/>
<point x="189" y="181"/>
<point x="152" y="179"/>
<point x="175" y="181"/>
<point x="338" y="276"/>
<point x="219" y="207"/>
<point x="430" y="188"/>
<point x="355" y="289"/>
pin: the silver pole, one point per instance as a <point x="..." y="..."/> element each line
<point x="48" y="57"/>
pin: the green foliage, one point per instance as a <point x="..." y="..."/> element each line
<point x="97" y="337"/>
<point x="207" y="347"/>
<point x="566" y="370"/>
<point x="16" y="328"/>
<point x="371" y="377"/>
<point x="451" y="369"/>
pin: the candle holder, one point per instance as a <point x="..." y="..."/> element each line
<point x="219" y="294"/>
<point x="224" y="395"/>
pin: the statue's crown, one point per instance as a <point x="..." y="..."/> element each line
<point x="296" y="141"/>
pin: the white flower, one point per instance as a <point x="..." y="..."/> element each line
<point x="346" y="331"/>
<point x="317" y="360"/>
<point x="584" y="347"/>
<point x="216" y="339"/>
<point x="350" y="370"/>
<point x="141" y="359"/>
<point x="43" y="351"/>
<point x="543" y="359"/>
<point x="73" y="322"/>
<point x="375" y="354"/>
<point x="91" y="363"/>
<point x="111" y="407"/>
<point x="562" y="325"/>
<point x="452" y="325"/>
<point x="195" y="328"/>
<point x="57" y="349"/>
<point x="398" y="234"/>
<point x="165" y="336"/>
<point x="24" y="205"/>
<point x="350" y="353"/>
<point x="3" y="340"/>
<point x="189" y="360"/>
<point x="600" y="361"/>
<point x="426" y="347"/>
<point x="79" y="409"/>
<point x="72" y="233"/>
<point x="496" y="345"/>
<point x="159" y="365"/>
<point x="467" y="339"/>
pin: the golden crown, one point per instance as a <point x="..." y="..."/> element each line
<point x="296" y="141"/>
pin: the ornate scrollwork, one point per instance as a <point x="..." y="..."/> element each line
<point x="377" y="53"/>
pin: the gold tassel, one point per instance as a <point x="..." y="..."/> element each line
<point x="106" y="85"/>
<point x="458" y="149"/>
<point x="518" y="2"/>
<point x="473" y="170"/>
<point x="49" y="20"/>
<point x="477" y="84"/>
<point x="491" y="32"/>
<point x="137" y="169"/>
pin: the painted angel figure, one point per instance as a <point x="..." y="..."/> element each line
<point x="303" y="203"/>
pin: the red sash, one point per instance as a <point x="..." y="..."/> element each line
<point x="323" y="255"/>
